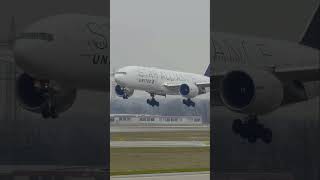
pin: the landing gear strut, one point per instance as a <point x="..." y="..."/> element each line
<point x="152" y="102"/>
<point x="188" y="102"/>
<point x="49" y="108"/>
<point x="252" y="130"/>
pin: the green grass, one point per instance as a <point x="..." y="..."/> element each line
<point x="161" y="136"/>
<point x="125" y="161"/>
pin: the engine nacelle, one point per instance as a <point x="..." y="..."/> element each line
<point x="32" y="98"/>
<point x="251" y="92"/>
<point x="121" y="92"/>
<point x="189" y="90"/>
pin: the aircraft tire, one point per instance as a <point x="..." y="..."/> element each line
<point x="45" y="111"/>
<point x="267" y="136"/>
<point x="193" y="104"/>
<point x="236" y="126"/>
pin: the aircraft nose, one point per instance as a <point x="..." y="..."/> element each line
<point x="30" y="55"/>
<point x="120" y="78"/>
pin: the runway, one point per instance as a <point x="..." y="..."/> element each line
<point x="126" y="144"/>
<point x="157" y="128"/>
<point x="166" y="176"/>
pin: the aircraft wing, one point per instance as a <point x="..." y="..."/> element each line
<point x="303" y="74"/>
<point x="203" y="84"/>
<point x="178" y="84"/>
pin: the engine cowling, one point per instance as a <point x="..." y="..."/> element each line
<point x="189" y="90"/>
<point x="32" y="98"/>
<point x="121" y="92"/>
<point x="251" y="92"/>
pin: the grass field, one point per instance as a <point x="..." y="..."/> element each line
<point x="158" y="160"/>
<point x="161" y="136"/>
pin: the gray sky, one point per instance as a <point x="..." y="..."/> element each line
<point x="171" y="34"/>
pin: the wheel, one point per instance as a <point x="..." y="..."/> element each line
<point x="193" y="104"/>
<point x="184" y="102"/>
<point x="46" y="111"/>
<point x="157" y="104"/>
<point x="148" y="101"/>
<point x="45" y="114"/>
<point x="267" y="136"/>
<point x="244" y="131"/>
<point x="54" y="115"/>
<point x="236" y="126"/>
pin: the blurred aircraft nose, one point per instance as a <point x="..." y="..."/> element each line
<point x="119" y="78"/>
<point x="31" y="48"/>
<point x="28" y="54"/>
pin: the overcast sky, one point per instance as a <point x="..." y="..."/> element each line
<point x="171" y="34"/>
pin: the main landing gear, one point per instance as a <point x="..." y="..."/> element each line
<point x="125" y="96"/>
<point x="188" y="102"/>
<point x="152" y="102"/>
<point x="252" y="130"/>
<point x="49" y="108"/>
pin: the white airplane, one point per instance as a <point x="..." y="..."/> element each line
<point x="255" y="76"/>
<point x="61" y="54"/>
<point x="160" y="82"/>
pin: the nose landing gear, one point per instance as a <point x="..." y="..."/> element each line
<point x="152" y="102"/>
<point x="49" y="108"/>
<point x="252" y="130"/>
<point x="188" y="102"/>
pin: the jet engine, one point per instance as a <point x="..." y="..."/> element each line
<point x="33" y="97"/>
<point x="251" y="92"/>
<point x="189" y="90"/>
<point x="123" y="92"/>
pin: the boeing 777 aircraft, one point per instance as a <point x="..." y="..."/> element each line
<point x="255" y="76"/>
<point x="61" y="54"/>
<point x="160" y="82"/>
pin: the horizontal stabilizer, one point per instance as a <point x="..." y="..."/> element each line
<point x="311" y="37"/>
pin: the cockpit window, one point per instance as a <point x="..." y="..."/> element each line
<point x="121" y="73"/>
<point x="34" y="35"/>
